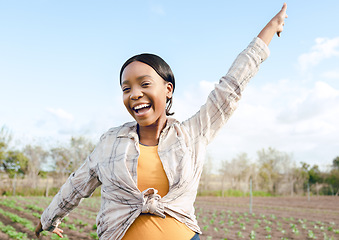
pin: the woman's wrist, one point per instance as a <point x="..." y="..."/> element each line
<point x="268" y="32"/>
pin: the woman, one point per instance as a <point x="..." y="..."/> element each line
<point x="149" y="169"/>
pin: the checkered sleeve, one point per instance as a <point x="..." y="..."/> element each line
<point x="80" y="184"/>
<point x="222" y="101"/>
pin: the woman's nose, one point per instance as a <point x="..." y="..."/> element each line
<point x="136" y="94"/>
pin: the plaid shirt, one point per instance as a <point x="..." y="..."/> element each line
<point x="181" y="148"/>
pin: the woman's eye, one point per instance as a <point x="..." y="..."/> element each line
<point x="125" y="89"/>
<point x="145" y="84"/>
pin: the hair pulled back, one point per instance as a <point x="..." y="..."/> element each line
<point x="161" y="68"/>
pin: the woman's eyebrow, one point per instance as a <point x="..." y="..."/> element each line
<point x="138" y="79"/>
<point x="125" y="82"/>
<point x="144" y="76"/>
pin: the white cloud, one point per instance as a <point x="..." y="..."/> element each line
<point x="287" y="115"/>
<point x="319" y="100"/>
<point x="324" y="48"/>
<point x="61" y="114"/>
<point x="189" y="102"/>
<point x="206" y="86"/>
<point x="331" y="74"/>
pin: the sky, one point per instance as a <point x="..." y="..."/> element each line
<point x="60" y="63"/>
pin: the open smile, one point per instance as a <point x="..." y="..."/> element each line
<point x="141" y="109"/>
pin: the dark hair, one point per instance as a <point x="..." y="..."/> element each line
<point x="160" y="66"/>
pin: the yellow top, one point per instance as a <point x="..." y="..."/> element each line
<point x="151" y="174"/>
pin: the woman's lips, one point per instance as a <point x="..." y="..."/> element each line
<point x="141" y="111"/>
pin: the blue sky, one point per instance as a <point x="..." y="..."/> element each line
<point x="60" y="62"/>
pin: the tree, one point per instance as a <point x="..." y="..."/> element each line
<point x="61" y="160"/>
<point x="206" y="174"/>
<point x="79" y="149"/>
<point x="273" y="167"/>
<point x="15" y="163"/>
<point x="313" y="177"/>
<point x="5" y="138"/>
<point x="11" y="161"/>
<point x="335" y="164"/>
<point x="70" y="157"/>
<point x="238" y="171"/>
<point x="36" y="155"/>
<point x="333" y="176"/>
<point x="299" y="178"/>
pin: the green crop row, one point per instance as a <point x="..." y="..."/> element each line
<point x="222" y="223"/>
<point x="15" y="218"/>
<point x="12" y="233"/>
<point x="12" y="203"/>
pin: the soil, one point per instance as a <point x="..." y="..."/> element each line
<point x="316" y="215"/>
<point x="215" y="214"/>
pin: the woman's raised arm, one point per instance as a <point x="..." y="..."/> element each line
<point x="274" y="26"/>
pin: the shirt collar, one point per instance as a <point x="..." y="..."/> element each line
<point x="130" y="129"/>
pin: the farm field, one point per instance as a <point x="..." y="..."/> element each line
<point x="219" y="218"/>
<point x="271" y="218"/>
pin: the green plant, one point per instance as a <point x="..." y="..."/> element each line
<point x="311" y="234"/>
<point x="37" y="215"/>
<point x="34" y="207"/>
<point x="71" y="226"/>
<point x="15" y="218"/>
<point x="94" y="235"/>
<point x="12" y="233"/>
<point x="56" y="237"/>
<point x="242" y="226"/>
<point x="252" y="235"/>
<point x="80" y="222"/>
<point x="295" y="231"/>
<point x="240" y="235"/>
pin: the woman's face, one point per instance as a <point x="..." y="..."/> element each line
<point x="145" y="93"/>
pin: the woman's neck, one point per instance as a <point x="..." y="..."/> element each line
<point x="149" y="135"/>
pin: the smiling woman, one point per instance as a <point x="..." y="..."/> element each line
<point x="145" y="95"/>
<point x="159" y="66"/>
<point x="150" y="169"/>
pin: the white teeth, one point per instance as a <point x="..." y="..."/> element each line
<point x="141" y="106"/>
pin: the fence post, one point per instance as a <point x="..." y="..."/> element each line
<point x="308" y="191"/>
<point x="14" y="184"/>
<point x="251" y="195"/>
<point x="47" y="186"/>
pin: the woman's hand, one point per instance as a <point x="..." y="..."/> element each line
<point x="279" y="19"/>
<point x="275" y="26"/>
<point x="58" y="231"/>
<point x="39" y="229"/>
